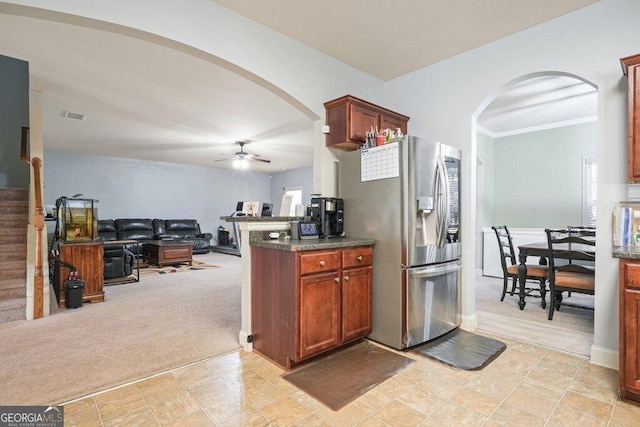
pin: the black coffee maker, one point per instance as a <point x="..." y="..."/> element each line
<point x="328" y="213"/>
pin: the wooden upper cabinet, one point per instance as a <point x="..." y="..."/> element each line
<point x="349" y="118"/>
<point x="631" y="69"/>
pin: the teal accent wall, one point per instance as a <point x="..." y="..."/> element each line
<point x="536" y="177"/>
<point x="14" y="114"/>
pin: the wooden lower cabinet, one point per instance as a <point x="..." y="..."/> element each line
<point x="305" y="303"/>
<point x="87" y="259"/>
<point x="629" y="345"/>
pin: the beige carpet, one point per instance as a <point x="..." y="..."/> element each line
<point x="571" y="329"/>
<point x="162" y="322"/>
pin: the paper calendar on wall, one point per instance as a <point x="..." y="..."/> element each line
<point x="380" y="162"/>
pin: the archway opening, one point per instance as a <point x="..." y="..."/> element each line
<point x="536" y="168"/>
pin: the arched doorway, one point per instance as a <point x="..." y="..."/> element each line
<point x="535" y="145"/>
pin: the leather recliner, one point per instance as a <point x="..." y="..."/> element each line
<point x="187" y="230"/>
<point x="117" y="260"/>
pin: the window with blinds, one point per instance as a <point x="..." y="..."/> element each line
<point x="589" y="191"/>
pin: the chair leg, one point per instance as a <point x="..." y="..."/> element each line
<point x="552" y="305"/>
<point x="558" y="300"/>
<point x="513" y="287"/>
<point x="505" y="282"/>
<point x="543" y="293"/>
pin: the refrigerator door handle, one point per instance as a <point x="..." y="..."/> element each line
<point x="433" y="271"/>
<point x="442" y="203"/>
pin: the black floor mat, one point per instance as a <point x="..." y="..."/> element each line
<point x="463" y="350"/>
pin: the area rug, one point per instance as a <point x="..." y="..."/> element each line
<point x="150" y="269"/>
<point x="342" y="377"/>
<point x="462" y="350"/>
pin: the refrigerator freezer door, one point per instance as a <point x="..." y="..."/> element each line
<point x="433" y="302"/>
<point x="430" y="191"/>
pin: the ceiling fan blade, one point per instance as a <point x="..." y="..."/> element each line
<point x="223" y="160"/>
<point x="256" y="159"/>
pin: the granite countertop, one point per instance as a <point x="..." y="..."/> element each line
<point x="311" y="244"/>
<point x="264" y="218"/>
<point x="631" y="252"/>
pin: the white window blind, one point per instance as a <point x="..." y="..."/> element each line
<point x="590" y="191"/>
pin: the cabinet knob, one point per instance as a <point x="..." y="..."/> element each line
<point x="359" y="257"/>
<point x="336" y="279"/>
<point x="346" y="278"/>
<point x="322" y="263"/>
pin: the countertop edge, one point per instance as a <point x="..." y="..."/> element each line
<point x="630" y="252"/>
<point x="312" y="244"/>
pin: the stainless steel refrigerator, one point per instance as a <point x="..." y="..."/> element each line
<point x="405" y="195"/>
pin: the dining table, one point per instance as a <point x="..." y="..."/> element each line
<point x="541" y="250"/>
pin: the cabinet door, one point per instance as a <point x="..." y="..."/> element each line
<point x="319" y="307"/>
<point x="87" y="259"/>
<point x="356" y="302"/>
<point x="631" y="339"/>
<point x="393" y="123"/>
<point x="362" y="120"/>
<point x="634" y="124"/>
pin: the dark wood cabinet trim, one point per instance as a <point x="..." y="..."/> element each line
<point x="631" y="69"/>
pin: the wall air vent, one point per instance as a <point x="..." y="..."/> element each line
<point x="70" y="115"/>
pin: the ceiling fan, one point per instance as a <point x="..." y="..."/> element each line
<point x="243" y="155"/>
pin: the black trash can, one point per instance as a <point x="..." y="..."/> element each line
<point x="74" y="288"/>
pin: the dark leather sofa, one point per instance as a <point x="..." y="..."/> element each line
<point x="142" y="229"/>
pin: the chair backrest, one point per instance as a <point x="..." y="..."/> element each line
<point x="575" y="247"/>
<point x="506" y="246"/>
<point x="587" y="231"/>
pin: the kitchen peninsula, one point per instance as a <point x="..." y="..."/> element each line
<point x="254" y="232"/>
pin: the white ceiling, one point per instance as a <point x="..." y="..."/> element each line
<point x="145" y="101"/>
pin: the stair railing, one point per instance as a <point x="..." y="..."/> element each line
<point x="38" y="277"/>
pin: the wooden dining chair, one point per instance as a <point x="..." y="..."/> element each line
<point x="571" y="264"/>
<point x="509" y="262"/>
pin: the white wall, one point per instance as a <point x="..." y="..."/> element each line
<point x="443" y="99"/>
<point x="538" y="176"/>
<point x="128" y="188"/>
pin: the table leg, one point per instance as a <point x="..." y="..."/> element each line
<point x="522" y="278"/>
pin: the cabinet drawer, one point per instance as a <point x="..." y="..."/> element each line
<point x="632" y="275"/>
<point x="314" y="262"/>
<point x="357" y="257"/>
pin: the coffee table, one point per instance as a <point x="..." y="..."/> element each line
<point x="163" y="252"/>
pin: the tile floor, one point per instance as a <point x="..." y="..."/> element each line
<point x="527" y="385"/>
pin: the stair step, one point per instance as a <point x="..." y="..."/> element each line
<point x="14" y="194"/>
<point x="13" y="273"/>
<point x="13" y="283"/>
<point x="12" y="208"/>
<point x="12" y="310"/>
<point x="14" y="224"/>
<point x="13" y="236"/>
<point x="14" y="216"/>
<point x="13" y="252"/>
<point x="13" y="293"/>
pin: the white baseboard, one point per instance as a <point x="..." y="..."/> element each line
<point x="469" y="323"/>
<point x="242" y="339"/>
<point x="604" y="357"/>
